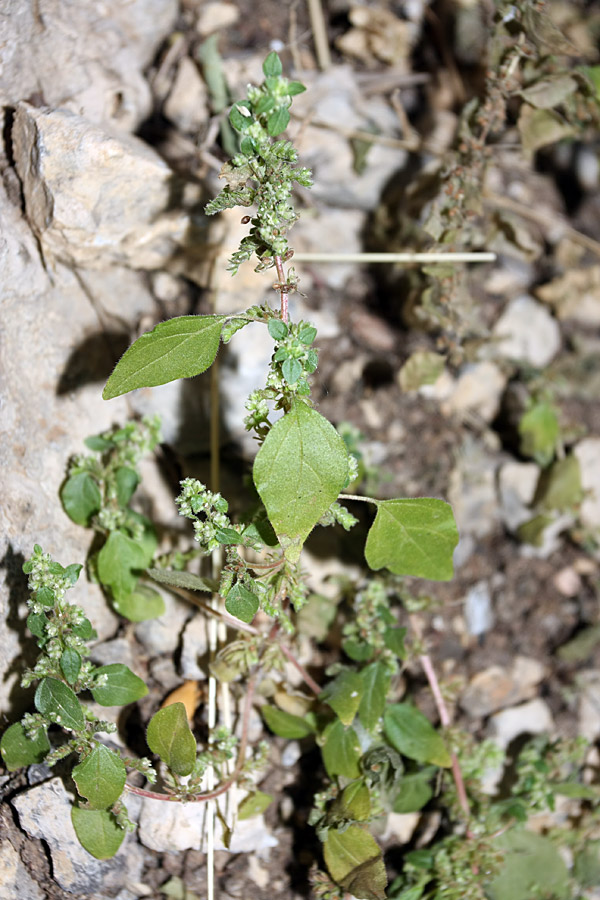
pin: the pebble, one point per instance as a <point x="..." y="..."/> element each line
<point x="479" y="390"/>
<point x="527" y="332"/>
<point x="161" y="635"/>
<point x="567" y="582"/>
<point x="215" y="16"/>
<point x="194" y="647"/>
<point x="587" y="452"/>
<point x="478" y="612"/>
<point x="533" y="717"/>
<point x="589" y="704"/>
<point x="187" y="103"/>
<point x="516" y="489"/>
<point x="497" y="687"/>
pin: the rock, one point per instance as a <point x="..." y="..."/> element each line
<point x="479" y="616"/>
<point x="45" y="812"/>
<point x="215" y="16"/>
<point x="400" y="826"/>
<point x="187" y="103"/>
<point x="116" y="651"/>
<point x="88" y="58"/>
<point x="528" y="718"/>
<point x="497" y="687"/>
<point x="575" y="295"/>
<point x="567" y="581"/>
<point x="472" y="491"/>
<point x="516" y="487"/>
<point x="587" y="452"/>
<point x="194" y="646"/>
<point x="478" y="390"/>
<point x="15" y="881"/>
<point x="328" y="231"/>
<point x="162" y="635"/>
<point x="526" y="332"/>
<point x="94" y="197"/>
<point x="291" y="754"/>
<point x="589" y="704"/>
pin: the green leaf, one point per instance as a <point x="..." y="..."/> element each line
<point x="422" y="368"/>
<point x="80" y="497"/>
<point x="577" y="791"/>
<point x="18" y="750"/>
<point x="343" y="695"/>
<point x="413" y="735"/>
<point x="37" y="622"/>
<point x="98" y="444"/>
<point x="58" y="702"/>
<point x="413" y="537"/>
<point x="120" y="562"/>
<point x="375" y="679"/>
<point x="414" y="792"/>
<point x="228" y="536"/>
<point x="531" y="867"/>
<point x="179" y="348"/>
<point x="127" y="481"/>
<point x="45" y="596"/>
<point x="84" y="630"/>
<point x="240" y="116"/>
<point x="539" y="431"/>
<point x="532" y="531"/>
<point x="340" y="750"/>
<point x="278" y="121"/>
<point x="359" y="651"/>
<point x="354" y="803"/>
<point x="393" y="638"/>
<point x="70" y="664"/>
<point x="169" y="736"/>
<point x="253" y="805"/>
<point x="272" y="65"/>
<point x="549" y="92"/>
<point x="284" y="724"/>
<point x="355" y="862"/>
<point x="298" y="472"/>
<point x="265" y="104"/>
<point x="307" y="334"/>
<point x="100" y="777"/>
<point x="148" y="540"/>
<point x="241" y="603"/>
<point x="587" y="864"/>
<point x="97" y="831"/>
<point x="560" y="486"/>
<point x="142" y="604"/>
<point x="295" y="87"/>
<point x="277" y="329"/>
<point x="291" y="370"/>
<point x="186" y="580"/>
<point x="120" y="688"/>
<point x="72" y="572"/>
<point x="540" y="127"/>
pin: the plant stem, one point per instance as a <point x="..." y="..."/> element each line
<point x="407" y="258"/>
<point x="445" y="720"/>
<point x="283" y="288"/>
<point x="357" y="497"/>
<point x="300" y="668"/>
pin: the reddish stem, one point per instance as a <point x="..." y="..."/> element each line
<point x="445" y="720"/>
<point x="298" y="665"/>
<point x="283" y="288"/>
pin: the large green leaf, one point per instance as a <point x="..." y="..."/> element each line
<point x="142" y="604"/>
<point x="284" y="724"/>
<point x="81" y="497"/>
<point x="413" y="537"/>
<point x="413" y="735"/>
<point x="375" y="679"/>
<point x="18" y="750"/>
<point x="355" y="862"/>
<point x="179" y="348"/>
<point x="340" y="750"/>
<point x="169" y="736"/>
<point x="59" y="703"/>
<point x="100" y="777"/>
<point x="119" y="563"/>
<point x="298" y="472"/>
<point x="343" y="695"/>
<point x="532" y="867"/>
<point x="120" y="687"/>
<point x="97" y="831"/>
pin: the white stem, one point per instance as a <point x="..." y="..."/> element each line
<point x="395" y="257"/>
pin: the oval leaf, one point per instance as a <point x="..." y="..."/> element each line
<point x="298" y="472"/>
<point x="355" y="862"/>
<point x="413" y="537"/>
<point x="169" y="736"/>
<point x="142" y="604"/>
<point x="179" y="348"/>
<point x="413" y="735"/>
<point x="284" y="724"/>
<point x="100" y="777"/>
<point x="119" y="561"/>
<point x="241" y="603"/>
<point x="343" y="695"/>
<point x="59" y="703"/>
<point x="80" y="497"/>
<point x="70" y="664"/>
<point x="272" y="65"/>
<point x="97" y="831"/>
<point x="375" y="684"/>
<point x="121" y="686"/>
<point x="341" y="750"/>
<point x="126" y="480"/>
<point x="278" y="121"/>
<point x="187" y="580"/>
<point x="18" y="750"/>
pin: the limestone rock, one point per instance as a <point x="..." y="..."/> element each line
<point x="478" y="390"/>
<point x="161" y="635"/>
<point x="215" y="16"/>
<point x="194" y="646"/>
<point x="589" y="704"/>
<point x="587" y="452"/>
<point x="15" y="881"/>
<point x="472" y="491"/>
<point x="516" y="487"/>
<point x="497" y="687"/>
<point x="533" y="717"/>
<point x="526" y="331"/>
<point x="94" y="197"/>
<point x="187" y="104"/>
<point x="479" y="616"/>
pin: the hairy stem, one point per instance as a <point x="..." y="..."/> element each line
<point x="283" y="289"/>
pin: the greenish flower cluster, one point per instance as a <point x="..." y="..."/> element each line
<point x="264" y="170"/>
<point x="208" y="512"/>
<point x="338" y="513"/>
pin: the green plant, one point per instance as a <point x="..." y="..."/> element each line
<point x="379" y="751"/>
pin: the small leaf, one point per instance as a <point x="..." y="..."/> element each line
<point x="253" y="805"/>
<point x="59" y="703"/>
<point x="353" y="803"/>
<point x="307" y="334"/>
<point x="272" y="65"/>
<point x="393" y="638"/>
<point x="70" y="664"/>
<point x="187" y="580"/>
<point x="45" y="596"/>
<point x="37" y="622"/>
<point x="295" y="87"/>
<point x="120" y="687"/>
<point x="240" y="116"/>
<point x="375" y="679"/>
<point x="284" y="724"/>
<point x="540" y="127"/>
<point x="277" y="329"/>
<point x="298" y="472"/>
<point x="179" y="348"/>
<point x="355" y="862"/>
<point x="340" y="750"/>
<point x="241" y="603"/>
<point x="422" y="368"/>
<point x="84" y="630"/>
<point x="141" y="605"/>
<point x="80" y="497"/>
<point x="531" y="866"/>
<point x="100" y="777"/>
<point x="72" y="572"/>
<point x="532" y="531"/>
<point x="120" y="562"/>
<point x="18" y="750"/>
<point x="291" y="370"/>
<point x="98" y="444"/>
<point x="413" y="735"/>
<point x="359" y="651"/>
<point x="414" y="792"/>
<point x="413" y="537"/>
<point x="539" y="431"/>
<point x="265" y="104"/>
<point x="169" y="736"/>
<point x="97" y="831"/>
<point x="577" y="791"/>
<point x="343" y="695"/>
<point x="560" y="485"/>
<point x="278" y="121"/>
<point x="228" y="536"/>
<point x="127" y="481"/>
<point x="549" y="92"/>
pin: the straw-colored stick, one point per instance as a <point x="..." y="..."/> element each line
<point x="406" y="258"/>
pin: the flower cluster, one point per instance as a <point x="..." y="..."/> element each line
<point x="208" y="512"/>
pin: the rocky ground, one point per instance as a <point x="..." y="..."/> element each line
<point x="111" y="118"/>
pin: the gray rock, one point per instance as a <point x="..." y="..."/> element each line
<point x="162" y="635"/>
<point x="92" y="196"/>
<point x="528" y="718"/>
<point x="478" y="390"/>
<point x="15" y="881"/>
<point x="116" y="651"/>
<point x="87" y="57"/>
<point x="45" y="812"/>
<point x="589" y="704"/>
<point x="526" y="331"/>
<point x="516" y="486"/>
<point x="187" y="103"/>
<point x="497" y="687"/>
<point x="478" y="613"/>
<point x="472" y="491"/>
<point x="194" y="646"/>
<point x="587" y="452"/>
